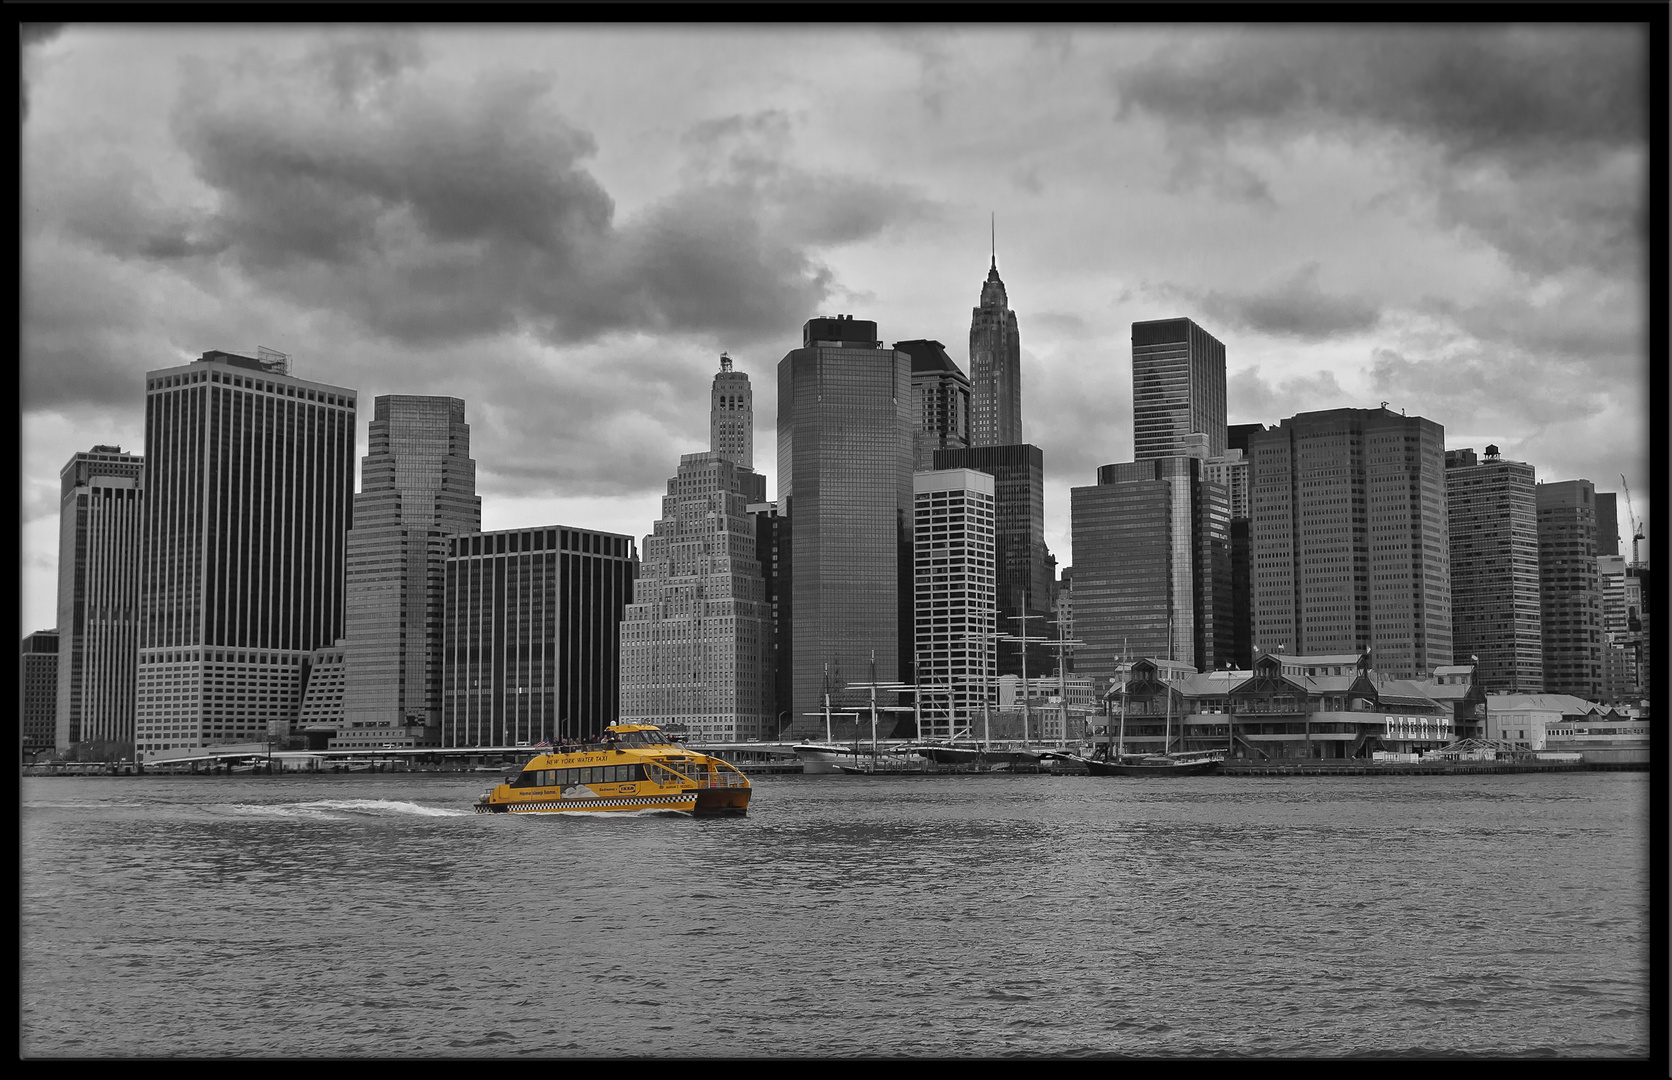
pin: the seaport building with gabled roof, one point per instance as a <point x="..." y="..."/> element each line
<point x="1333" y="706"/>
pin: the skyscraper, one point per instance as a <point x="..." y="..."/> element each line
<point x="845" y="429"/>
<point x="1178" y="390"/>
<point x="531" y="645"/>
<point x="1608" y="523"/>
<point x="1023" y="565"/>
<point x="1152" y="566"/>
<point x="1350" y="538"/>
<point x="249" y="486"/>
<point x="731" y="416"/>
<point x="417" y="486"/>
<point x="697" y="641"/>
<point x="940" y="396"/>
<point x="1494" y="571"/>
<point x="98" y="596"/>
<point x="955" y="607"/>
<point x="38" y="691"/>
<point x="1570" y="594"/>
<point x="995" y="366"/>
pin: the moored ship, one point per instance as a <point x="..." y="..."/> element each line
<point x="631" y="767"/>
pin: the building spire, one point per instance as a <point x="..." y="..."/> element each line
<point x="993" y="223"/>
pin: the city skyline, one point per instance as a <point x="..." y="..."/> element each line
<point x="565" y="245"/>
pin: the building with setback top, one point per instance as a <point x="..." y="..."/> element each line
<point x="995" y="366"/>
<point x="417" y="487"/>
<point x="697" y="640"/>
<point x="940" y="400"/>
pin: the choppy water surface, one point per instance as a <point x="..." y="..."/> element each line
<point x="916" y="916"/>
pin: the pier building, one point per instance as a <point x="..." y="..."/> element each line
<point x="1333" y="706"/>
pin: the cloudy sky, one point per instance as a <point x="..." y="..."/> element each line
<point x="565" y="226"/>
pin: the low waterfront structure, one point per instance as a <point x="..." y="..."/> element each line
<point x="1333" y="706"/>
<point x="1563" y="723"/>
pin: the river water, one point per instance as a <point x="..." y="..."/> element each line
<point x="980" y="916"/>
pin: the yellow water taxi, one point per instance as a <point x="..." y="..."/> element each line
<point x="631" y="767"/>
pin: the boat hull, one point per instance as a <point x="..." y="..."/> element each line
<point x="962" y="755"/>
<point x="1197" y="767"/>
<point x="817" y="759"/>
<point x="721" y="802"/>
<point x="682" y="802"/>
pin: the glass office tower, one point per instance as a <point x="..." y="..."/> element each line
<point x="1178" y="390"/>
<point x="845" y="429"/>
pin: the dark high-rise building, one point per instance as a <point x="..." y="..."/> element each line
<point x="1178" y="391"/>
<point x="1152" y="567"/>
<point x="1237" y="436"/>
<point x="531" y="644"/>
<point x="772" y="551"/>
<point x="1023" y="565"/>
<point x="1608" y="524"/>
<point x="940" y="400"/>
<point x="1233" y="470"/>
<point x="1495" y="619"/>
<point x="249" y="487"/>
<point x="99" y="530"/>
<point x="845" y="428"/>
<point x="38" y="691"/>
<point x="697" y="640"/>
<point x="417" y="487"/>
<point x="1351" y="545"/>
<point x="1570" y="593"/>
<point x="995" y="367"/>
<point x="1242" y="595"/>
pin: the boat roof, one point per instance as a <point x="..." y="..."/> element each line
<point x="633" y="727"/>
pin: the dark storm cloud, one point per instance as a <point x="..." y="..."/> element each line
<point x="442" y="213"/>
<point x="30" y="34"/>
<point x="1296" y="308"/>
<point x="1530" y="124"/>
<point x="1510" y="91"/>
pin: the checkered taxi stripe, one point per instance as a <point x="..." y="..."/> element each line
<point x="622" y="802"/>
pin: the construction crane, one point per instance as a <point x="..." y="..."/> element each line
<point x="1632" y="519"/>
